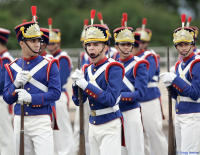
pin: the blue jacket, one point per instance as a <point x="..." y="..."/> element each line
<point x="65" y="67"/>
<point x="6" y="59"/>
<point x="42" y="97"/>
<point x="107" y="92"/>
<point x="153" y="91"/>
<point x="137" y="75"/>
<point x="186" y="86"/>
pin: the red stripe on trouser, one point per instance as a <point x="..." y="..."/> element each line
<point x="55" y="127"/>
<point x="163" y="116"/>
<point x="123" y="136"/>
<point x="66" y="93"/>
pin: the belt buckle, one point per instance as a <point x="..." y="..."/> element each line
<point x="178" y="98"/>
<point x="93" y="113"/>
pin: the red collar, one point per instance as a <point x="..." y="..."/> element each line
<point x="43" y="53"/>
<point x="126" y="59"/>
<point x="140" y="52"/>
<point x="31" y="58"/>
<point x="188" y="57"/>
<point x="101" y="61"/>
<point x="2" y="52"/>
<point x="57" y="52"/>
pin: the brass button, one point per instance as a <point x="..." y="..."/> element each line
<point x="94" y="122"/>
<point x="95" y="70"/>
<point x="176" y="110"/>
<point x="28" y="63"/>
<point x="26" y="113"/>
<point x="92" y="104"/>
<point x="27" y="105"/>
<point x="28" y="89"/>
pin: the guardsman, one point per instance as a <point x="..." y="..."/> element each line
<point x="44" y="42"/>
<point x="196" y="30"/>
<point x="152" y="115"/>
<point x="34" y="82"/>
<point x="102" y="88"/>
<point x="185" y="88"/>
<point x="63" y="138"/>
<point x="6" y="116"/>
<point x="84" y="59"/>
<point x="134" y="88"/>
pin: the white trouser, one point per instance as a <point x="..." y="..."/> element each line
<point x="86" y="127"/>
<point x="63" y="138"/>
<point x="187" y="130"/>
<point x="38" y="135"/>
<point x="105" y="139"/>
<point x="133" y="129"/>
<point x="6" y="130"/>
<point x="152" y="122"/>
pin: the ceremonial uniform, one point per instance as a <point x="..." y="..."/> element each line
<point x="185" y="88"/>
<point x="41" y="88"/>
<point x="45" y="42"/>
<point x="102" y="88"/>
<point x="134" y="88"/>
<point x="84" y="59"/>
<point x="151" y="109"/>
<point x="6" y="115"/>
<point x="63" y="138"/>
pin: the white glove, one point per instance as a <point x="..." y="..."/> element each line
<point x="167" y="78"/>
<point x="23" y="96"/>
<point x="172" y="69"/>
<point x="22" y="78"/>
<point x="78" y="78"/>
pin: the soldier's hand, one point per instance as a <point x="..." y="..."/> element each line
<point x="167" y="78"/>
<point x="22" y="78"/>
<point x="78" y="78"/>
<point x="23" y="96"/>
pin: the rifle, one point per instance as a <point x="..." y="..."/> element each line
<point x="81" y="117"/>
<point x="171" y="138"/>
<point x="21" y="151"/>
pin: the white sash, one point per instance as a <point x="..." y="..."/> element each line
<point x="34" y="70"/>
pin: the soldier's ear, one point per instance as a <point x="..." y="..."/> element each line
<point x="21" y="43"/>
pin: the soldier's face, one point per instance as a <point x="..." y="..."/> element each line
<point x="53" y="47"/>
<point x="125" y="49"/>
<point x="184" y="48"/>
<point x="143" y="45"/>
<point x="96" y="48"/>
<point x="34" y="44"/>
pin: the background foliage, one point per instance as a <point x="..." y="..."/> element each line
<point x="68" y="15"/>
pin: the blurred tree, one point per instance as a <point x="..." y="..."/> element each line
<point x="68" y="15"/>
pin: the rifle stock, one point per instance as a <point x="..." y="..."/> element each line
<point x="81" y="116"/>
<point x="171" y="138"/>
<point x="21" y="150"/>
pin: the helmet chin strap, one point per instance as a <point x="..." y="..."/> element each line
<point x="93" y="57"/>
<point x="31" y="48"/>
<point x="123" y="51"/>
<point x="187" y="52"/>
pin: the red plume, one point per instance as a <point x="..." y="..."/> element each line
<point x="85" y="22"/>
<point x="144" y="21"/>
<point x="33" y="10"/>
<point x="189" y="19"/>
<point x="123" y="24"/>
<point x="183" y="17"/>
<point x="49" y="21"/>
<point x="125" y="16"/>
<point x="100" y="16"/>
<point x="92" y="14"/>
